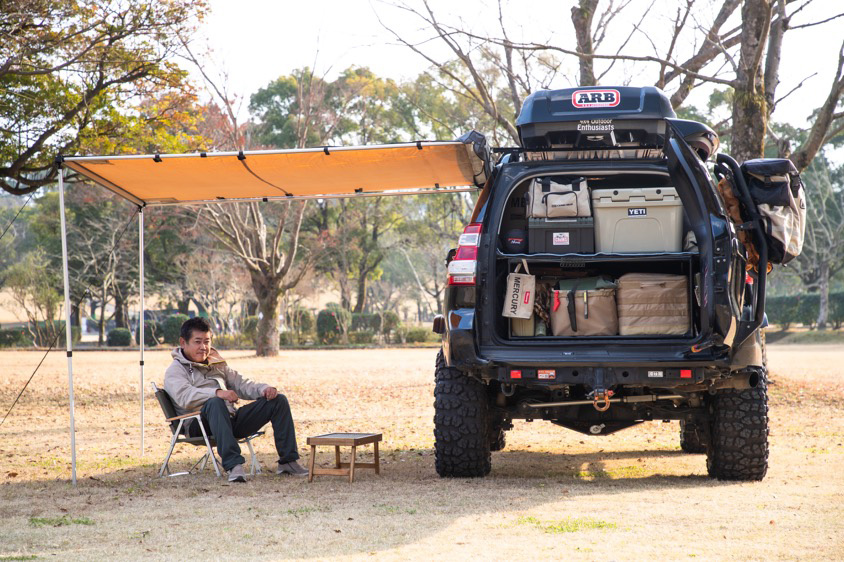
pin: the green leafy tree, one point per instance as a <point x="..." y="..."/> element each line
<point x="302" y="109"/>
<point x="71" y="71"/>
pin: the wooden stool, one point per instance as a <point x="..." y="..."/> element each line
<point x="338" y="440"/>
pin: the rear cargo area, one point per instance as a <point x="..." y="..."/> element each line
<point x="594" y="259"/>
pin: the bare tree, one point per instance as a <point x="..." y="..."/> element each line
<point x="823" y="253"/>
<point x="267" y="250"/>
<point x="745" y="59"/>
<point x="581" y="18"/>
<point x="265" y="242"/>
<point x="829" y="121"/>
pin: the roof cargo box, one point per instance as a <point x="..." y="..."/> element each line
<point x="600" y="118"/>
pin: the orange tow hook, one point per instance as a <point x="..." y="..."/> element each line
<point x="601" y="400"/>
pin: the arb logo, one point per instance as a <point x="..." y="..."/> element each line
<point x="583" y="99"/>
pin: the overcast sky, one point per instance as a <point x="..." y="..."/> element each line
<point x="255" y="41"/>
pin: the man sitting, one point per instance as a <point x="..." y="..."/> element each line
<point x="199" y="377"/>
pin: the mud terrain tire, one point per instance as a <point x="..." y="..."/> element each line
<point x="738" y="447"/>
<point x="461" y="424"/>
<point x="498" y="439"/>
<point x="690" y="438"/>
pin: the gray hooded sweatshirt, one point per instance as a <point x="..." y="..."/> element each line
<point x="190" y="384"/>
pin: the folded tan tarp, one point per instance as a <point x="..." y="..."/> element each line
<point x="318" y="172"/>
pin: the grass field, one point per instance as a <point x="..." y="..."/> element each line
<point x="552" y="494"/>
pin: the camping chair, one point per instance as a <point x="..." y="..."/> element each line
<point x="177" y="426"/>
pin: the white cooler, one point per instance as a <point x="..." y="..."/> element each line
<point x="637" y="220"/>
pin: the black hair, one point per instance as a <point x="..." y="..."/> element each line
<point x="196" y="324"/>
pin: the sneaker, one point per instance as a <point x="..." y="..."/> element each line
<point x="293" y="468"/>
<point x="237" y="474"/>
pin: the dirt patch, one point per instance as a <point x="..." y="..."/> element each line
<point x="552" y="494"/>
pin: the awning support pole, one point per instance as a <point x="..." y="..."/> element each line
<point x="141" y="333"/>
<point x="67" y="329"/>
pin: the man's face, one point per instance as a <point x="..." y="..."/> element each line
<point x="198" y="347"/>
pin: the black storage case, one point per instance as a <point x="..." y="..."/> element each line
<point x="561" y="236"/>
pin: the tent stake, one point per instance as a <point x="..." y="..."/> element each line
<point x="142" y="333"/>
<point x="68" y="330"/>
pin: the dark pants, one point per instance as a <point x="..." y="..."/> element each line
<point x="246" y="421"/>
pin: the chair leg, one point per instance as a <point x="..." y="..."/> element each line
<point x="208" y="444"/>
<point x="200" y="463"/>
<point x="256" y="466"/>
<point x="166" y="466"/>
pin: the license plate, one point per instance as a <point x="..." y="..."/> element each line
<point x="654" y="374"/>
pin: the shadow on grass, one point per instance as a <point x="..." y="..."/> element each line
<point x="407" y="503"/>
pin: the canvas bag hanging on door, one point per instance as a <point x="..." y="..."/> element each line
<point x="777" y="190"/>
<point x="518" y="300"/>
<point x="548" y="199"/>
<point x="584" y="307"/>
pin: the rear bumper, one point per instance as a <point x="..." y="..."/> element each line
<point x="604" y="366"/>
<point x="594" y="365"/>
<point x="601" y="377"/>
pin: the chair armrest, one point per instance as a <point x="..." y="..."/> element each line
<point x="184" y="416"/>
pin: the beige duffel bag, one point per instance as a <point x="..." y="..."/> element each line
<point x="653" y="304"/>
<point x="547" y="199"/>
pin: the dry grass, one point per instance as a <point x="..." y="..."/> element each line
<point x="553" y="493"/>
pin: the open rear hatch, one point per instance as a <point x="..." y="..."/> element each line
<point x="607" y="221"/>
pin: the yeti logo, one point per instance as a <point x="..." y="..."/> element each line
<point x="640" y="212"/>
<point x="583" y="99"/>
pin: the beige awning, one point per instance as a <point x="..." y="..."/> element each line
<point x="411" y="168"/>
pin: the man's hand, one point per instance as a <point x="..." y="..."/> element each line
<point x="270" y="393"/>
<point x="228" y="395"/>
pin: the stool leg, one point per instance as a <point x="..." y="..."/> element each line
<point x="377" y="462"/>
<point x="337" y="456"/>
<point x="352" y="465"/>
<point x="313" y="461"/>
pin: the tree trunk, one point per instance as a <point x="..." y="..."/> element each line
<point x="101" y="325"/>
<point x="251" y="308"/>
<point x="200" y="307"/>
<point x="75" y="316"/>
<point x="823" y="286"/>
<point x="750" y="114"/>
<point x="183" y="305"/>
<point x="581" y="17"/>
<point x="266" y="340"/>
<point x="269" y="298"/>
<point x="119" y="311"/>
<point x="361" y="298"/>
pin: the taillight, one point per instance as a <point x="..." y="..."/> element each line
<point x="461" y="270"/>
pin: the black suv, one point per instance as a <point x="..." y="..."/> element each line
<point x="711" y="377"/>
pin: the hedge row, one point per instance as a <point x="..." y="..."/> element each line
<point x="803" y="309"/>
<point x="363" y="322"/>
<point x="20" y="337"/>
<point x="15" y="337"/>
